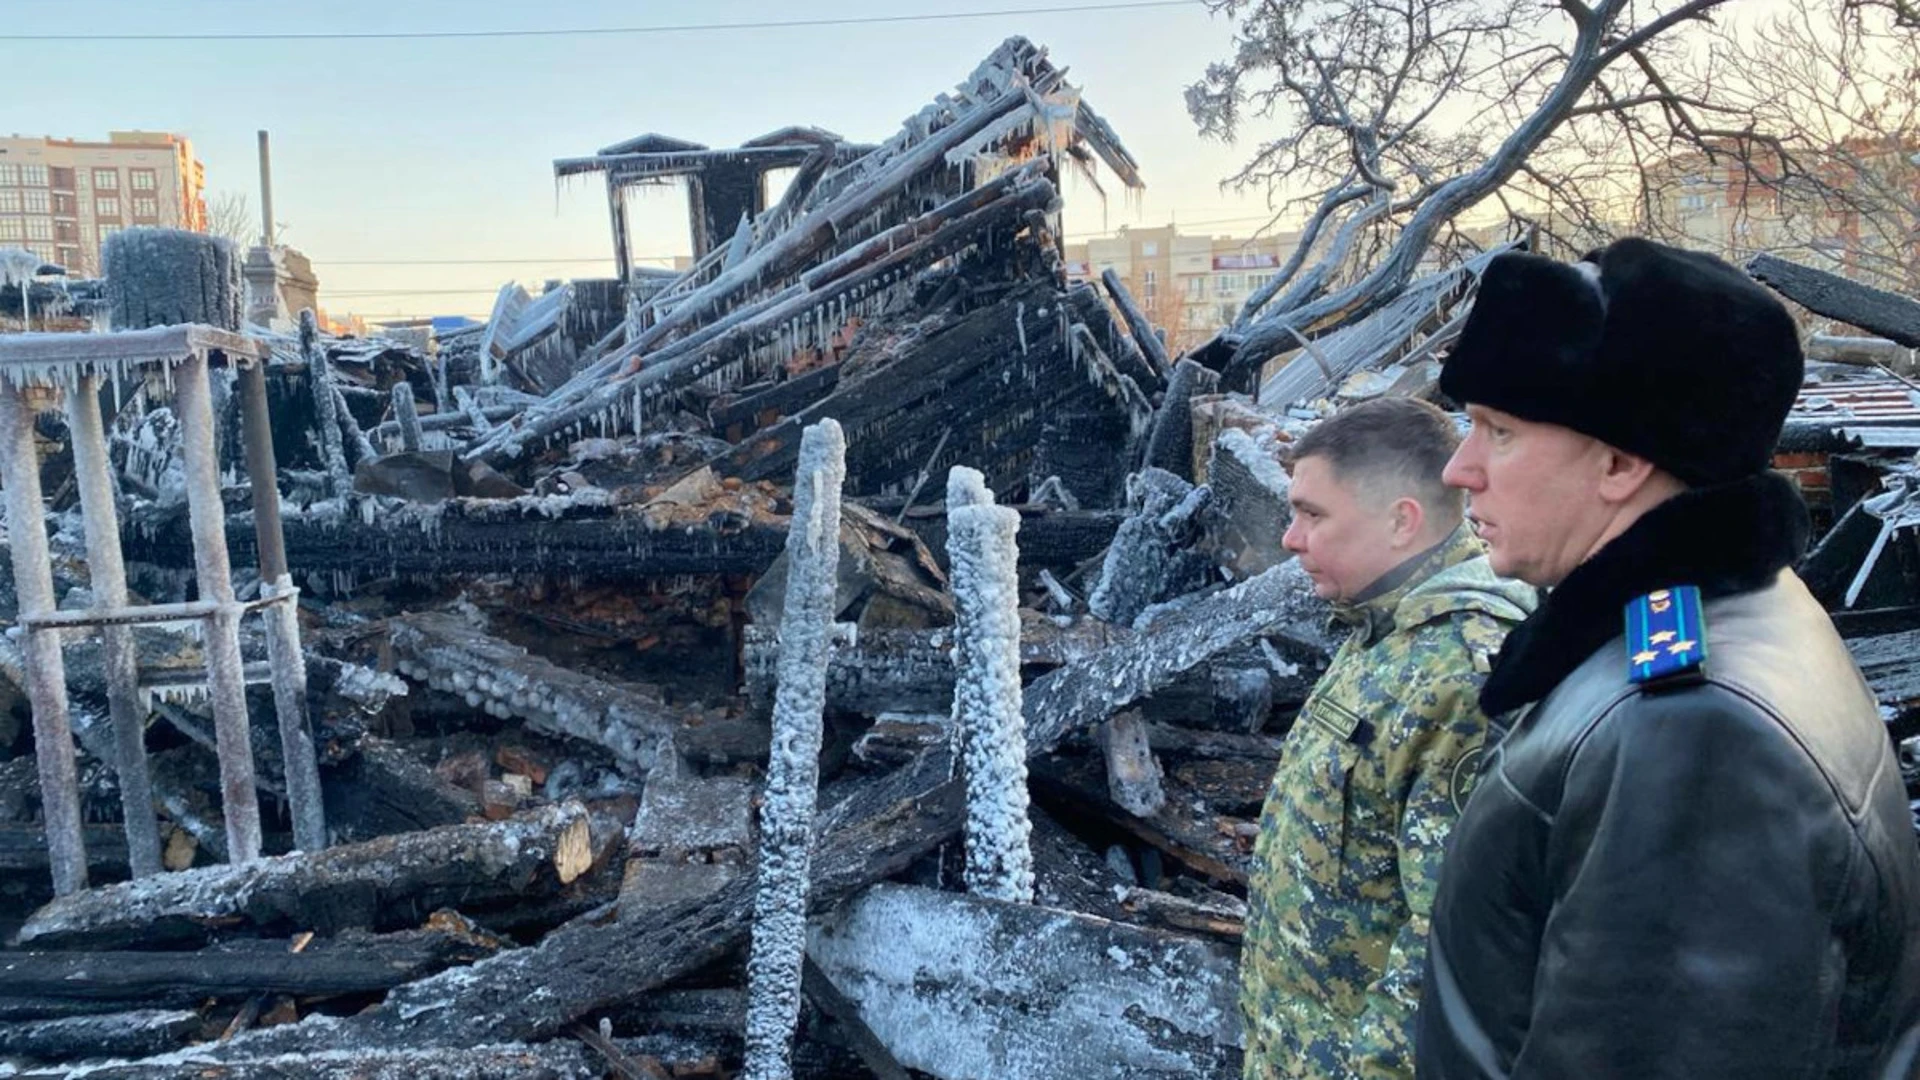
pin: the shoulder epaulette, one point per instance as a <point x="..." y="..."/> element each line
<point x="1666" y="634"/>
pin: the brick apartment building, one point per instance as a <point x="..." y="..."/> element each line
<point x="1191" y="286"/>
<point x="59" y="198"/>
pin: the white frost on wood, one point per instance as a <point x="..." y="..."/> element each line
<point x="970" y="989"/>
<point x="983" y="549"/>
<point x="793" y="766"/>
<point x="1260" y="457"/>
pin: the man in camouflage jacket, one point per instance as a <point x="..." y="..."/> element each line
<point x="1380" y="759"/>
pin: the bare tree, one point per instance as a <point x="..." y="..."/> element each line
<point x="1834" y="87"/>
<point x="230" y="214"/>
<point x="1397" y="116"/>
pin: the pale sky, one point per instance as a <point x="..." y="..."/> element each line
<point x="442" y="149"/>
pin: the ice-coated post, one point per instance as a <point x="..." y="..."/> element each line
<point x="46" y="669"/>
<point x="225" y="676"/>
<point x="109" y="577"/>
<point x="325" y="407"/>
<point x="793" y="766"/>
<point x="987" y="721"/>
<point x="284" y="657"/>
<point x="408" y="416"/>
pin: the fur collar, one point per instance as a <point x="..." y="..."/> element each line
<point x="1726" y="539"/>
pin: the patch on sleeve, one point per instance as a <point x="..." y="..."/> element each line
<point x="1666" y="634"/>
<point x="1466" y="774"/>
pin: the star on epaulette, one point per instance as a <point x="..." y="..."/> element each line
<point x="1666" y="634"/>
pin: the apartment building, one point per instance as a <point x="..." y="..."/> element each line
<point x="1190" y="286"/>
<point x="59" y="198"/>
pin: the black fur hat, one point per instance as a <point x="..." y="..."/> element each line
<point x="1672" y="355"/>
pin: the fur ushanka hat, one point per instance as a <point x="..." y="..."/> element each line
<point x="1672" y="355"/>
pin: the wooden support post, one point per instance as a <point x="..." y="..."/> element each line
<point x="986" y="697"/>
<point x="108" y="574"/>
<point x="226" y="680"/>
<point x="46" y="669"/>
<point x="408" y="416"/>
<point x="284" y="654"/>
<point x="793" y="767"/>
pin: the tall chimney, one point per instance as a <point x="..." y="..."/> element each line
<point x="266" y="194"/>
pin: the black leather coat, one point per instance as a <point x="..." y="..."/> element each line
<point x="1710" y="877"/>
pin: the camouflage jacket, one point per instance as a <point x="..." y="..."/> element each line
<point x="1371" y="777"/>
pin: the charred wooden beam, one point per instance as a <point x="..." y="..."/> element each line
<point x="913" y="670"/>
<point x="1873" y="310"/>
<point x="349" y="965"/>
<point x="1144" y="336"/>
<point x="452" y="656"/>
<point x="558" y="1060"/>
<point x="126" y="1034"/>
<point x="591" y="543"/>
<point x="1170" y="446"/>
<point x="378" y="884"/>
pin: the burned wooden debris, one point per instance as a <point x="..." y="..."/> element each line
<point x="628" y="736"/>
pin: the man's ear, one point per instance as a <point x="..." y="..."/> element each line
<point x="1409" y="521"/>
<point x="1622" y="475"/>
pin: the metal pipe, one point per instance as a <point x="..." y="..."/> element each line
<point x="93" y="476"/>
<point x="226" y="680"/>
<point x="46" y="669"/>
<point x="284" y="656"/>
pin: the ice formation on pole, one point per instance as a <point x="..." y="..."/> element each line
<point x="225" y="675"/>
<point x="986" y="694"/>
<point x="45" y="668"/>
<point x="108" y="576"/>
<point x="793" y="766"/>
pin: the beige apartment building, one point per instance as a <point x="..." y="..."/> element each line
<point x="1190" y="286"/>
<point x="59" y="198"/>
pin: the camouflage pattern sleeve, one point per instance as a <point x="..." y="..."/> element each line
<point x="1434" y="763"/>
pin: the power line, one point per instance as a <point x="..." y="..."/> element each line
<point x="606" y="31"/>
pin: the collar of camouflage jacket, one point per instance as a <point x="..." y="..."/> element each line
<point x="1421" y="588"/>
<point x="1727" y="539"/>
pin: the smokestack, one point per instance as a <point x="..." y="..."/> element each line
<point x="266" y="194"/>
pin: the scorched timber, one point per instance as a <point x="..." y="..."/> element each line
<point x="353" y="965"/>
<point x="379" y="884"/>
<point x="548" y="1061"/>
<point x="591" y="543"/>
<point x="968" y="988"/>
<point x="1873" y="310"/>
<point x="505" y="679"/>
<point x="874" y="828"/>
<point x="988" y="383"/>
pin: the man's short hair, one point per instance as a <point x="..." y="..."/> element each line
<point x="1388" y="448"/>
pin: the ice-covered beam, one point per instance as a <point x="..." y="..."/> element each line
<point x="1137" y="322"/>
<point x="284" y="655"/>
<point x="226" y="679"/>
<point x="326" y="406"/>
<point x="108" y="577"/>
<point x="407" y="415"/>
<point x="505" y="680"/>
<point x="793" y="766"/>
<point x="986" y="699"/>
<point x="46" y="670"/>
<point x="965" y="988"/>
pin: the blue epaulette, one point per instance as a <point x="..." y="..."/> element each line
<point x="1666" y="634"/>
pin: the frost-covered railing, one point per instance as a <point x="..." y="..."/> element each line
<point x="74" y="365"/>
